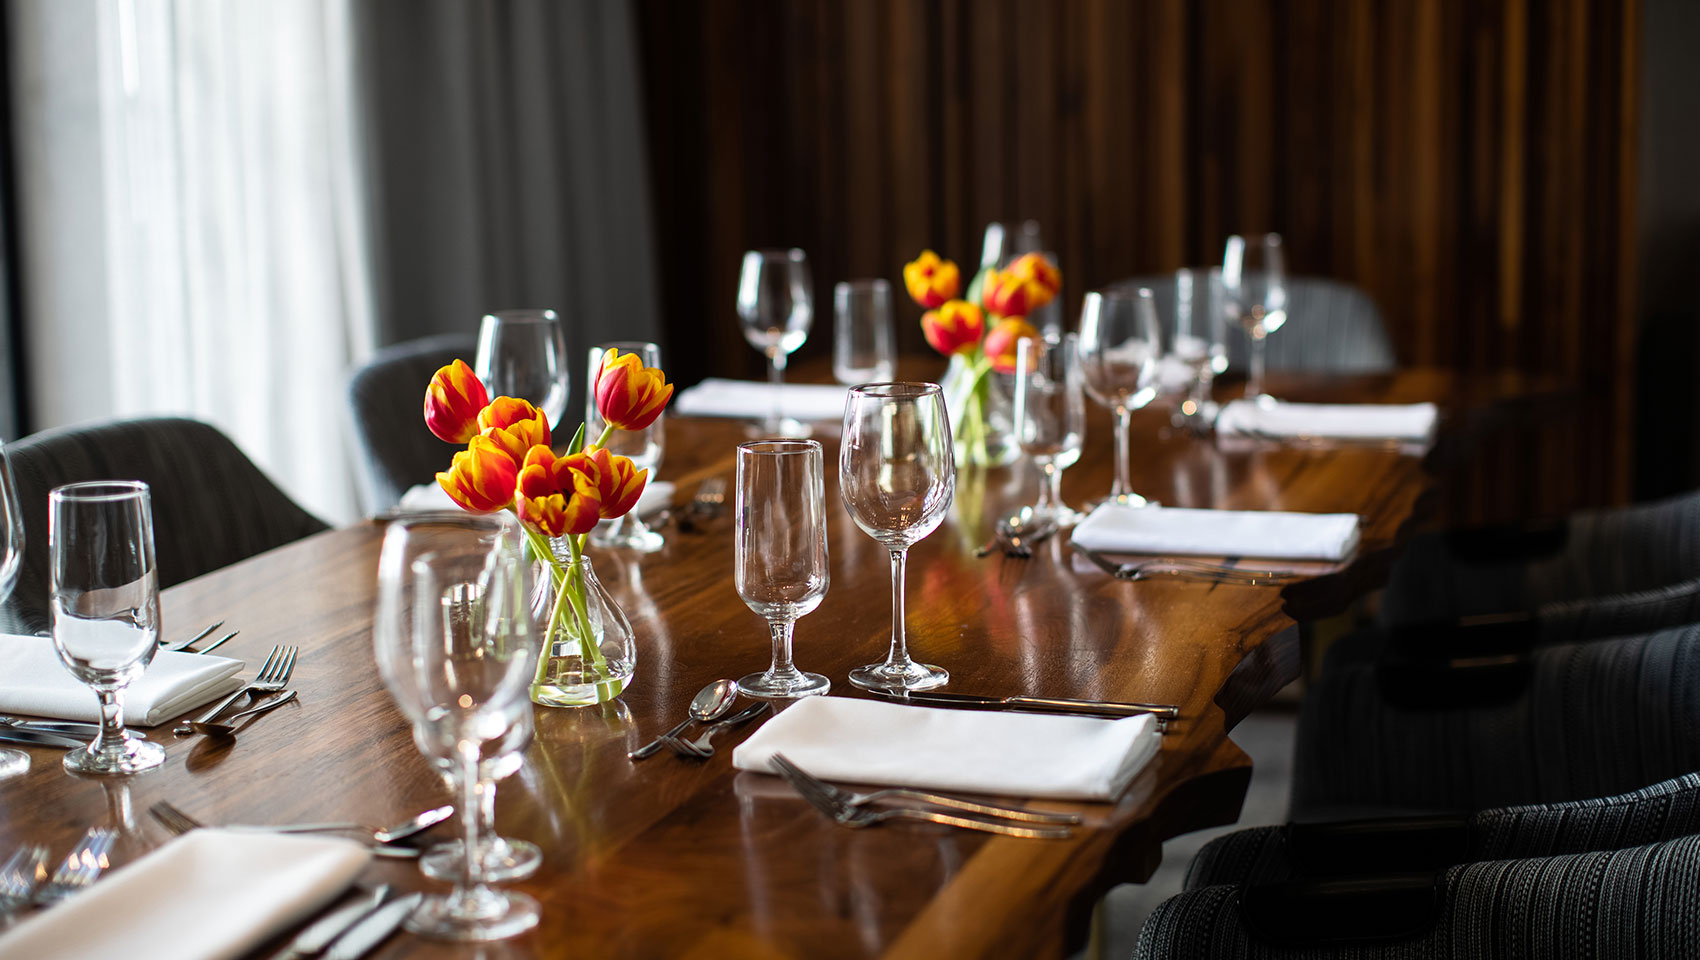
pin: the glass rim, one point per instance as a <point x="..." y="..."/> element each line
<point x="524" y="315"/>
<point x="459" y="519"/>
<point x="99" y="491"/>
<point x="1113" y="293"/>
<point x="792" y="254"/>
<point x="896" y="390"/>
<point x="861" y="285"/>
<point x="621" y="345"/>
<point x="779" y="447"/>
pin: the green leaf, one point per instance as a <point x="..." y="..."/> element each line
<point x="976" y="287"/>
<point x="578" y="441"/>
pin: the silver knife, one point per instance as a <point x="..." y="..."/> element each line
<point x="1109" y="708"/>
<point x="69" y="728"/>
<point x="373" y="930"/>
<point x="39" y="738"/>
<point x="312" y="941"/>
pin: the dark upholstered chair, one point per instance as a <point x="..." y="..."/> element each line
<point x="386" y="397"/>
<point x="211" y="505"/>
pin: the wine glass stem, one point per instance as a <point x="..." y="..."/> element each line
<point x="112" y="735"/>
<point x="899" y="655"/>
<point x="776" y="377"/>
<point x="1254" y="379"/>
<point x="1047" y="488"/>
<point x="471" y="812"/>
<point x="1053" y="474"/>
<point x="1123" y="486"/>
<point x="781" y="630"/>
<point x="487" y="809"/>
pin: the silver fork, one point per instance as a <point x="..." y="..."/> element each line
<point x="197" y="638"/>
<point x="84" y="863"/>
<point x="1184" y="568"/>
<point x="795" y="774"/>
<point x="18" y="877"/>
<point x="850" y="816"/>
<point x="708" y="502"/>
<point x="273" y="677"/>
<point x="702" y="747"/>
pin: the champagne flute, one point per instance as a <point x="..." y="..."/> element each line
<point x="776" y="305"/>
<point x="779" y="555"/>
<point x="455" y="648"/>
<point x="12" y="762"/>
<point x="523" y="354"/>
<point x="1050" y="418"/>
<point x="644" y="447"/>
<point x="1119" y="347"/>
<point x="897" y="475"/>
<point x="105" y="608"/>
<point x="861" y="332"/>
<point x="1254" y="289"/>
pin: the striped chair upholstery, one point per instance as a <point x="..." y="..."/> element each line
<point x="211" y="505"/>
<point x="384" y="396"/>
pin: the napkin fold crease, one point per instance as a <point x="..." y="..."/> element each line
<point x="34" y="681"/>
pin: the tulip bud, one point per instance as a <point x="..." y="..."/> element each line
<point x="452" y="403"/>
<point x="619" y="483"/>
<point x="1001" y="342"/>
<point x="1008" y="295"/>
<point x="515" y="425"/>
<point x="628" y="394"/>
<point x="557" y="496"/>
<point x="932" y="281"/>
<point x="481" y="478"/>
<point x="1041" y="272"/>
<point x="954" y="328"/>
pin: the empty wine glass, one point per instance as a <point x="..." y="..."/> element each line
<point x="776" y="305"/>
<point x="523" y="354"/>
<point x="1194" y="333"/>
<point x="1254" y="289"/>
<point x="501" y="858"/>
<point x="454" y="644"/>
<point x="105" y="608"/>
<point x="1050" y="417"/>
<point x="897" y="476"/>
<point x="862" y="349"/>
<point x="1119" y="347"/>
<point x="779" y="555"/>
<point x="12" y="762"/>
<point x="1003" y="242"/>
<point x="644" y="447"/>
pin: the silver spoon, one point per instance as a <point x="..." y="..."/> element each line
<point x="228" y="727"/>
<point x="711" y="703"/>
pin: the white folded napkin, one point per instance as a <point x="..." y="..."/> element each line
<point x="1219" y="533"/>
<point x="430" y="498"/>
<point x="206" y="895"/>
<point x="753" y="400"/>
<point x="976" y="751"/>
<point x="1409" y="423"/>
<point x="34" y="680"/>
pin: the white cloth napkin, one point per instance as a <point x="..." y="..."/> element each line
<point x="34" y="680"/>
<point x="1219" y="533"/>
<point x="430" y="498"/>
<point x="207" y="895"/>
<point x="1408" y="423"/>
<point x="976" y="751"/>
<point x="753" y="400"/>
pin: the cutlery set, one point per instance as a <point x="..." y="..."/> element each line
<point x="184" y="645"/>
<point x="25" y="882"/>
<point x="385" y="842"/>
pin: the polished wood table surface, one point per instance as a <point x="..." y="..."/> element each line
<point x="671" y="857"/>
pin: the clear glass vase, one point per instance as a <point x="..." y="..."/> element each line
<point x="982" y="415"/>
<point x="589" y="650"/>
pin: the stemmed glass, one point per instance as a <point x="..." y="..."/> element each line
<point x="1050" y="417"/>
<point x="897" y="475"/>
<point x="523" y="354"/>
<point x="776" y="305"/>
<point x="862" y="349"/>
<point x="454" y="645"/>
<point x="1254" y="289"/>
<point x="644" y="447"/>
<point x="12" y="762"/>
<point x="779" y="555"/>
<point x="105" y="608"/>
<point x="1119" y="348"/>
<point x="1194" y="332"/>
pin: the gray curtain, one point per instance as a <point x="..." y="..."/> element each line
<point x="508" y="166"/>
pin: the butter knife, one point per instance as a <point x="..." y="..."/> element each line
<point x="1103" y="708"/>
<point x="312" y="941"/>
<point x="39" y="738"/>
<point x="69" y="728"/>
<point x="374" y="929"/>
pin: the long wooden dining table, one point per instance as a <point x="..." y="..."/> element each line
<point x="671" y="857"/>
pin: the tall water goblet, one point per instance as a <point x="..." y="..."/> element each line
<point x="644" y="447"/>
<point x="779" y="555"/>
<point x="1254" y="290"/>
<point x="12" y="762"/>
<point x="1194" y="333"/>
<point x="455" y="648"/>
<point x="1119" y="348"/>
<point x="523" y="354"/>
<point x="897" y="475"/>
<point x="105" y="608"/>
<point x="862" y="350"/>
<point x="501" y="858"/>
<point x="1050" y="417"/>
<point x="776" y="305"/>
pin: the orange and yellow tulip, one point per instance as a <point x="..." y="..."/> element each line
<point x="452" y="403"/>
<point x="618" y="482"/>
<point x="628" y="394"/>
<point x="954" y="328"/>
<point x="1007" y="294"/>
<point x="557" y="496"/>
<point x="1001" y="342"/>
<point x="932" y="281"/>
<point x="514" y="425"/>
<point x="1037" y="268"/>
<point x="481" y="478"/>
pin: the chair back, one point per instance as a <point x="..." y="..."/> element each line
<point x="385" y="396"/>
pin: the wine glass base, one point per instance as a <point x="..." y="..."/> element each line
<point x="501" y="860"/>
<point x="130" y="756"/>
<point x="13" y="763"/>
<point x="644" y="541"/>
<point x="492" y="915"/>
<point x="784" y="427"/>
<point x="1130" y="500"/>
<point x="892" y="676"/>
<point x="774" y="686"/>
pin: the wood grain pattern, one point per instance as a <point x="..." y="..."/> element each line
<point x="675" y="858"/>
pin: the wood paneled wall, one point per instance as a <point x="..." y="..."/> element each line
<point x="1469" y="163"/>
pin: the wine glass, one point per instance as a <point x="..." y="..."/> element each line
<point x="523" y="354"/>
<point x="454" y="645"/>
<point x="1119" y="347"/>
<point x="861" y="332"/>
<point x="644" y="447"/>
<point x="1003" y="242"/>
<point x="12" y="762"/>
<point x="105" y="608"/>
<point x="1194" y="334"/>
<point x="776" y="304"/>
<point x="501" y="858"/>
<point x="1050" y="418"/>
<point x="1254" y="290"/>
<point x="897" y="476"/>
<point x="779" y="556"/>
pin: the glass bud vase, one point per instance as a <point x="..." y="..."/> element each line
<point x="982" y="416"/>
<point x="589" y="652"/>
